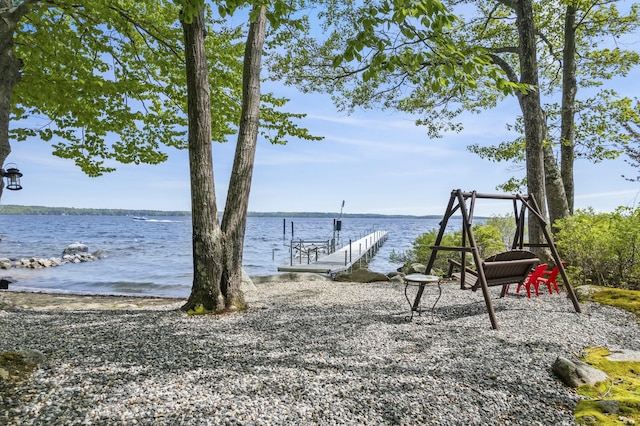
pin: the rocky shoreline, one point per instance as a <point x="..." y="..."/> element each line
<point x="306" y="352"/>
<point x="73" y="253"/>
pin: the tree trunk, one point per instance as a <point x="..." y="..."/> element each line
<point x="10" y="67"/>
<point x="207" y="236"/>
<point x="569" y="90"/>
<point x="235" y="215"/>
<point x="534" y="120"/>
<point x="556" y="197"/>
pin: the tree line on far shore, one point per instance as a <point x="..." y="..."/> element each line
<point x="73" y="211"/>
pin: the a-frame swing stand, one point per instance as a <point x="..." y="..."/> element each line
<point x="521" y="205"/>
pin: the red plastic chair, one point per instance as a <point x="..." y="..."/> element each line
<point x="549" y="277"/>
<point x="532" y="280"/>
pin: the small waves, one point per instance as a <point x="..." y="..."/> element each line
<point x="156" y="260"/>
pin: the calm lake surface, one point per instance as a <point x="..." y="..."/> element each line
<point x="153" y="257"/>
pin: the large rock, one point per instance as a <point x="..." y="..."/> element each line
<point x="397" y="279"/>
<point x="99" y="254"/>
<point x="623" y="355"/>
<point x="577" y="373"/>
<point x="584" y="292"/>
<point x="75" y="248"/>
<point x="289" y="276"/>
<point x="247" y="284"/>
<point x="4" y="283"/>
<point x="416" y="268"/>
<point x="361" y="276"/>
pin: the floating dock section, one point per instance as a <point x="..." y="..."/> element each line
<point x="310" y="260"/>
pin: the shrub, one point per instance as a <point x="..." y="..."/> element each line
<point x="489" y="238"/>
<point x="602" y="248"/>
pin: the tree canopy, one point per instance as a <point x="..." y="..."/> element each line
<point x="436" y="60"/>
<point x="103" y="81"/>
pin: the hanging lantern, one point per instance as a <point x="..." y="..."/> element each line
<point x="12" y="176"/>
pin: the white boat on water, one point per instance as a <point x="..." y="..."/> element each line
<point x="140" y="218"/>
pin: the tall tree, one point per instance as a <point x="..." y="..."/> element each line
<point x="9" y="71"/>
<point x="217" y="250"/>
<point x="107" y="70"/>
<point x="80" y="75"/>
<point x="206" y="234"/>
<point x="575" y="55"/>
<point x="398" y="66"/>
<point x="534" y="121"/>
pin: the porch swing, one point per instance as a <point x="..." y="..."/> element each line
<point x="502" y="269"/>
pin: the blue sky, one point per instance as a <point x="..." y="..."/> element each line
<point x="376" y="161"/>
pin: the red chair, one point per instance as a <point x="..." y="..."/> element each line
<point x="549" y="277"/>
<point x="532" y="279"/>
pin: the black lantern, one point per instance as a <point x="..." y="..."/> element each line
<point x="13" y="175"/>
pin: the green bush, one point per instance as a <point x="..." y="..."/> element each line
<point x="489" y="237"/>
<point x="507" y="225"/>
<point x="602" y="248"/>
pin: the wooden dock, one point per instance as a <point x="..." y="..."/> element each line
<point x="340" y="260"/>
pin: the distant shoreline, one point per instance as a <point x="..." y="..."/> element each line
<point x="11" y="209"/>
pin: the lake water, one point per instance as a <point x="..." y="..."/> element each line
<point x="154" y="257"/>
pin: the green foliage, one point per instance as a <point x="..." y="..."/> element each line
<point x="397" y="54"/>
<point x="491" y="237"/>
<point x="104" y="82"/>
<point x="506" y="225"/>
<point x="600" y="116"/>
<point x="421" y="249"/>
<point x="602" y="248"/>
<point x="72" y="211"/>
<point x="114" y="79"/>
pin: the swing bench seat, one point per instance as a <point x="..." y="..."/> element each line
<point x="502" y="269"/>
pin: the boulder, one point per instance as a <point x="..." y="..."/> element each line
<point x="397" y="279"/>
<point x="584" y="292"/>
<point x="361" y="276"/>
<point x="5" y="304"/>
<point x="45" y="263"/>
<point x="4" y="283"/>
<point x="99" y="254"/>
<point x="576" y="373"/>
<point x="623" y="355"/>
<point x="289" y="276"/>
<point x="416" y="268"/>
<point x="75" y="248"/>
<point x="247" y="284"/>
<point x="32" y="356"/>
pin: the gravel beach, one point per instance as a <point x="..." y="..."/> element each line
<point x="308" y="353"/>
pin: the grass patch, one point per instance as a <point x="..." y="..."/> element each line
<point x="614" y="402"/>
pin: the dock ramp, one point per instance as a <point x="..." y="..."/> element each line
<point x="340" y="260"/>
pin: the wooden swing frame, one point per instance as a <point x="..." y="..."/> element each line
<point x="521" y="205"/>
